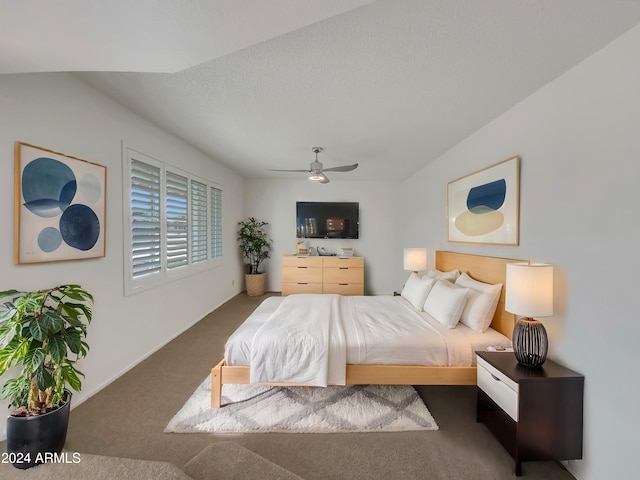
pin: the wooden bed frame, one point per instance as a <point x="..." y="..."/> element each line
<point x="485" y="269"/>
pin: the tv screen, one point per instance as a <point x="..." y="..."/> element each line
<point x="327" y="219"/>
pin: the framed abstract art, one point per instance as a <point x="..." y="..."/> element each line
<point x="60" y="206"/>
<point x="483" y="207"/>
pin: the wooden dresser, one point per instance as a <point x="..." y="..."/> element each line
<point x="304" y="274"/>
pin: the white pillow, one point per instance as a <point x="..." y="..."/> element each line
<point x="446" y="302"/>
<point x="481" y="303"/>
<point x="450" y="276"/>
<point x="416" y="289"/>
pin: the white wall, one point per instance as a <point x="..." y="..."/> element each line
<point x="60" y="113"/>
<point x="274" y="201"/>
<point x="579" y="140"/>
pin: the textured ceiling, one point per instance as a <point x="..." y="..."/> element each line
<point x="144" y="35"/>
<point x="390" y="84"/>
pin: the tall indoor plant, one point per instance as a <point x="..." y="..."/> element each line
<point x="255" y="247"/>
<point x="42" y="335"/>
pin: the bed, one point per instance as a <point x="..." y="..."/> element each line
<point x="381" y="364"/>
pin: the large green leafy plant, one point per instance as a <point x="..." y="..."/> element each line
<point x="254" y="243"/>
<point x="42" y="333"/>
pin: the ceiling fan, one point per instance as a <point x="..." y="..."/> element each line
<point x="316" y="170"/>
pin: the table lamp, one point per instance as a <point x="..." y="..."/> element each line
<point x="529" y="293"/>
<point x="415" y="259"/>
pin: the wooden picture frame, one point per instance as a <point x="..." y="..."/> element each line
<point x="60" y="206"/>
<point x="484" y="206"/>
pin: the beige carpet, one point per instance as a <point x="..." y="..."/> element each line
<point x="221" y="460"/>
<point x="225" y="461"/>
<point x="96" y="467"/>
<point x="334" y="409"/>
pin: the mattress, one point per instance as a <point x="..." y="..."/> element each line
<point x="381" y="330"/>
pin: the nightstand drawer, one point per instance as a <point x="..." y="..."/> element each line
<point x="499" y="387"/>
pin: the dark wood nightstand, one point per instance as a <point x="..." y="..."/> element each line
<point x="535" y="413"/>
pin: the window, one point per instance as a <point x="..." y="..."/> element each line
<point x="216" y="222"/>
<point x="174" y="222"/>
<point x="145" y="219"/>
<point x="199" y="224"/>
<point x="177" y="220"/>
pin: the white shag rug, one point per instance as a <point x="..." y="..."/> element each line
<point x="261" y="408"/>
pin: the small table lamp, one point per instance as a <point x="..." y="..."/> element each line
<point x="529" y="293"/>
<point x="415" y="259"/>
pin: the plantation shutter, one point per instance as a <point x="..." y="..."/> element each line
<point x="145" y="219"/>
<point x="174" y="224"/>
<point x="216" y="222"/>
<point x="176" y="220"/>
<point x="199" y="244"/>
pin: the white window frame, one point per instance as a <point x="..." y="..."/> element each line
<point x="133" y="283"/>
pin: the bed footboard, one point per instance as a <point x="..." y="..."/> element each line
<point x="356" y="375"/>
<point x="225" y="374"/>
<point x="216" y="385"/>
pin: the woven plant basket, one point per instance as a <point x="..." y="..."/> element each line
<point x="256" y="284"/>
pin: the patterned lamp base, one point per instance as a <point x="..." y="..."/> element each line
<point x="530" y="342"/>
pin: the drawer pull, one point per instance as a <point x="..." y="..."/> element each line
<point x="303" y="283"/>
<point x="343" y="268"/>
<point x="495" y="378"/>
<point x="344" y="284"/>
<point x="303" y="267"/>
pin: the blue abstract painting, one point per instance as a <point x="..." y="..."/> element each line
<point x="61" y="210"/>
<point x="484" y="207"/>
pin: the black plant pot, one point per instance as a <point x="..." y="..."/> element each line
<point x="34" y="440"/>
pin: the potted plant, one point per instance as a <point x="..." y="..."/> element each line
<point x="256" y="247"/>
<point x="42" y="335"/>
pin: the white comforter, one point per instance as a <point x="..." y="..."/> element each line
<point x="371" y="330"/>
<point x="302" y="342"/>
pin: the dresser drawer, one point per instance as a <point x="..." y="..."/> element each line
<point x="301" y="261"/>
<point x="344" y="262"/>
<point x="343" y="288"/>
<point x="301" y="274"/>
<point x="292" y="288"/>
<point x="499" y="387"/>
<point x="343" y="275"/>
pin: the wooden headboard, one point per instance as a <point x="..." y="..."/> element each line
<point x="484" y="269"/>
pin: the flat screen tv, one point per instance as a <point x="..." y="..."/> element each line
<point x="327" y="219"/>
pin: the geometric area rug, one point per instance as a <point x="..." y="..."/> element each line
<point x="335" y="409"/>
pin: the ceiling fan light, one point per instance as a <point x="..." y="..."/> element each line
<point x="316" y="176"/>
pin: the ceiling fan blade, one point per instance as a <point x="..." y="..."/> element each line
<point x="344" y="168"/>
<point x="316" y="169"/>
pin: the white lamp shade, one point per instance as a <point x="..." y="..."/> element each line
<point x="415" y="259"/>
<point x="529" y="289"/>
